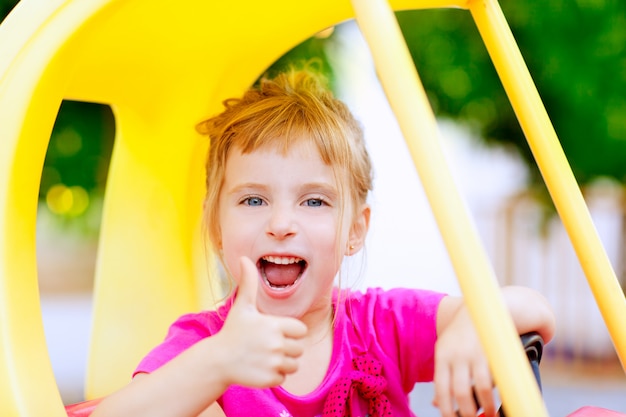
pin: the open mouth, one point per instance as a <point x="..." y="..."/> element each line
<point x="281" y="272"/>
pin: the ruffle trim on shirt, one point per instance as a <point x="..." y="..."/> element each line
<point x="365" y="381"/>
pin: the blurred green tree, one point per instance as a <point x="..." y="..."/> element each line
<point x="576" y="54"/>
<point x="76" y="165"/>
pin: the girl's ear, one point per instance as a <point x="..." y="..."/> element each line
<point x="358" y="231"/>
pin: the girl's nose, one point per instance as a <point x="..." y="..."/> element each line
<point x="281" y="224"/>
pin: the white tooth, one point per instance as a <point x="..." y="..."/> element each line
<point x="281" y="260"/>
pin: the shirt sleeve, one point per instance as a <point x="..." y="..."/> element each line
<point x="186" y="331"/>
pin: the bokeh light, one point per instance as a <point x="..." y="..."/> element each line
<point x="67" y="201"/>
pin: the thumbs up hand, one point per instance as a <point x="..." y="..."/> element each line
<point x="260" y="349"/>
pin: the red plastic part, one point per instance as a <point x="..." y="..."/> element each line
<point x="589" y="411"/>
<point x="83" y="409"/>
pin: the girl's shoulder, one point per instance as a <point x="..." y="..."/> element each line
<point x="186" y="331"/>
<point x="205" y="322"/>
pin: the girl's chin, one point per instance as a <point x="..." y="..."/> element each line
<point x="283" y="309"/>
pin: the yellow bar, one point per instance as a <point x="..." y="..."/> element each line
<point x="408" y="100"/>
<point x="554" y="167"/>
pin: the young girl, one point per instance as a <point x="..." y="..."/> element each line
<point x="288" y="177"/>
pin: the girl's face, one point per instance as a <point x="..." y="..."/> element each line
<point x="284" y="213"/>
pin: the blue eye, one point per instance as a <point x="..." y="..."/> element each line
<point x="253" y="201"/>
<point x="314" y="202"/>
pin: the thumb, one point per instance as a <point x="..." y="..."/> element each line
<point x="248" y="282"/>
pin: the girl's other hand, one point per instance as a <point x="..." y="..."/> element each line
<point x="259" y="349"/>
<point x="462" y="370"/>
<point x="461" y="366"/>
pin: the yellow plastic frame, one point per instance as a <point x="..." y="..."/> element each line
<point x="163" y="66"/>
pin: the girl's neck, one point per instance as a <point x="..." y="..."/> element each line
<point x="314" y="362"/>
<point x="319" y="325"/>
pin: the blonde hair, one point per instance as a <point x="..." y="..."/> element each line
<point x="295" y="105"/>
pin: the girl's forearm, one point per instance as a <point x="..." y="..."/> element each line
<point x="185" y="386"/>
<point x="530" y="311"/>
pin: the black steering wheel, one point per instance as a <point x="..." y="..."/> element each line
<point x="533" y="345"/>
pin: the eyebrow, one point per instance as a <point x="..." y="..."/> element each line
<point x="245" y="186"/>
<point x="308" y="187"/>
<point x="321" y="186"/>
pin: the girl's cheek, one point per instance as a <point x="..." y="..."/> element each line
<point x="233" y="268"/>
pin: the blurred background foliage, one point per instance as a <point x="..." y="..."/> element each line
<point x="575" y="51"/>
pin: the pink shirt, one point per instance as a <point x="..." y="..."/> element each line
<point x="396" y="328"/>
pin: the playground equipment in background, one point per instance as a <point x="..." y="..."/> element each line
<point x="161" y="69"/>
